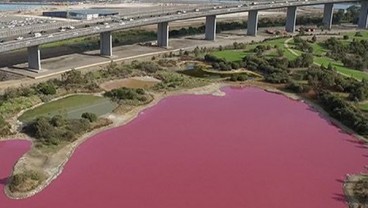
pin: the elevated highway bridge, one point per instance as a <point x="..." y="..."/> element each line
<point x="163" y="20"/>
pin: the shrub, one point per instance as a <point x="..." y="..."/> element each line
<point x="91" y="117"/>
<point x="238" y="77"/>
<point x="126" y="94"/>
<point x="358" y="34"/>
<point x="46" y="88"/>
<point x="58" y="121"/>
<point x="5" y="128"/>
<point x="295" y="87"/>
<point x="146" y="66"/>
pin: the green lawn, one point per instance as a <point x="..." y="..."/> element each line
<point x="232" y="55"/>
<point x="72" y="107"/>
<point x="238" y="55"/>
<point x="352" y="35"/>
<point x="318" y="51"/>
<point x="363" y="106"/>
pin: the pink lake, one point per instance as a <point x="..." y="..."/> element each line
<point x="249" y="148"/>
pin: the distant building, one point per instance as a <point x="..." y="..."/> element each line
<point x="85" y="14"/>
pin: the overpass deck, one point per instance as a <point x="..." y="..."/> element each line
<point x="54" y="37"/>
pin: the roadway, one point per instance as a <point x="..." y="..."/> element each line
<point x="155" y="19"/>
<point x="5" y="34"/>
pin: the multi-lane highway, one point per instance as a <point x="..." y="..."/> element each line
<point x="155" y="18"/>
<point x="9" y="34"/>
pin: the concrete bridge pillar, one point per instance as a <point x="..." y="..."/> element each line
<point x="290" y="19"/>
<point x="163" y="34"/>
<point x="34" y="58"/>
<point x="252" y="25"/>
<point x="327" y="15"/>
<point x="363" y="17"/>
<point x="210" y="28"/>
<point x="106" y="44"/>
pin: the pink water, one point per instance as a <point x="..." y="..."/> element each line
<point x="247" y="149"/>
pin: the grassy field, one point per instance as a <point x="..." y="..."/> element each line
<point x="352" y="35"/>
<point x="363" y="106"/>
<point x="238" y="55"/>
<point x="72" y="107"/>
<point x="232" y="55"/>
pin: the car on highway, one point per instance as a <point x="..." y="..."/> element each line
<point x="37" y="35"/>
<point x="19" y="38"/>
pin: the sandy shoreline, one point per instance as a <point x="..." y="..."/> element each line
<point x="120" y="120"/>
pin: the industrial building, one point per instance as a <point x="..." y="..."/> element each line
<point x="85" y="14"/>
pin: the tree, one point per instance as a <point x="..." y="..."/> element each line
<point x="338" y="16"/>
<point x="307" y="59"/>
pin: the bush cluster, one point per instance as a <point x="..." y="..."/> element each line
<point x="127" y="94"/>
<point x="55" y="130"/>
<point x="91" y="117"/>
<point x="26" y="181"/>
<point x="344" y="112"/>
<point x="353" y="55"/>
<point x="238" y="77"/>
<point x="322" y="78"/>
